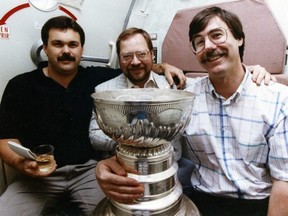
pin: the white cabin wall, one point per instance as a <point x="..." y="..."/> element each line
<point x="102" y="21"/>
<point x="159" y="14"/>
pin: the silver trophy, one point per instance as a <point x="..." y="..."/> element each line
<point x="144" y="122"/>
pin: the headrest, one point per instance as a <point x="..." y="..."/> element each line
<point x="265" y="42"/>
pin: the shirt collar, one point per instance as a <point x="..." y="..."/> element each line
<point x="241" y="89"/>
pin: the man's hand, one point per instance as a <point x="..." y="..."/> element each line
<point x="174" y="75"/>
<point x="278" y="199"/>
<point x="30" y="168"/>
<point x="259" y="74"/>
<point x="112" y="177"/>
<point x="25" y="166"/>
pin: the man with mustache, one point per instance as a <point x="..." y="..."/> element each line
<point x="135" y="54"/>
<point x="52" y="105"/>
<point x="241" y="154"/>
<point x="238" y="134"/>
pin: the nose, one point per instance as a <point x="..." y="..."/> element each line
<point x="135" y="60"/>
<point x="66" y="49"/>
<point x="209" y="44"/>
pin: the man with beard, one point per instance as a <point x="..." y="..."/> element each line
<point x="135" y="54"/>
<point x="238" y="134"/>
<point x="52" y="105"/>
<point x="219" y="127"/>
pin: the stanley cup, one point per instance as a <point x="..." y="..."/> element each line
<point x="144" y="122"/>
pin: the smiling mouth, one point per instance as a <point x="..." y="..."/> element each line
<point x="138" y="69"/>
<point x="213" y="58"/>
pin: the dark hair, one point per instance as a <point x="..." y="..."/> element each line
<point x="201" y="19"/>
<point x="130" y="32"/>
<point x="61" y="22"/>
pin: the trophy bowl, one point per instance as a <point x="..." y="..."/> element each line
<point x="143" y="117"/>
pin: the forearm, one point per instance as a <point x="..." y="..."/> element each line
<point x="278" y="202"/>
<point x="8" y="156"/>
<point x="98" y="139"/>
<point x="174" y="75"/>
<point x="159" y="68"/>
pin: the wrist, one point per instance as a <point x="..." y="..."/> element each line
<point x="163" y="67"/>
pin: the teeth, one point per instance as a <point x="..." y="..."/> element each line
<point x="213" y="58"/>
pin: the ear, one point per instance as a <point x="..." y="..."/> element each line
<point x="44" y="49"/>
<point x="82" y="51"/>
<point x="240" y="42"/>
<point x="152" y="55"/>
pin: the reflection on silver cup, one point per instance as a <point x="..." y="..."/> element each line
<point x="143" y="117"/>
<point x="143" y="122"/>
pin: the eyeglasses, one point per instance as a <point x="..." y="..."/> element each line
<point x="128" y="57"/>
<point x="216" y="36"/>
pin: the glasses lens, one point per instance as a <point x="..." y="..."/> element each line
<point x="128" y="57"/>
<point x="142" y="55"/>
<point x="216" y="36"/>
<point x="198" y="44"/>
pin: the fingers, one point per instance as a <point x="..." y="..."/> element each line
<point x="273" y="78"/>
<point x="31" y="168"/>
<point x="182" y="81"/>
<point x="122" y="191"/>
<point x="259" y="75"/>
<point x="118" y="187"/>
<point x="267" y="79"/>
<point x="178" y="79"/>
<point x="175" y="76"/>
<point x="127" y="169"/>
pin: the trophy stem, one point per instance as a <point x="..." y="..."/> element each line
<point x="142" y="121"/>
<point x="158" y="172"/>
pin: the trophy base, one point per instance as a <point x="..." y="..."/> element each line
<point x="187" y="208"/>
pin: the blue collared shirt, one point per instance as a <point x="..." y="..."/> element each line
<point x="238" y="144"/>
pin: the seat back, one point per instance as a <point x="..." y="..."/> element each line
<point x="265" y="42"/>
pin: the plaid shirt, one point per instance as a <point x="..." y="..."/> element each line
<point x="239" y="143"/>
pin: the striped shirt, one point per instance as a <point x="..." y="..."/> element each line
<point x="239" y="143"/>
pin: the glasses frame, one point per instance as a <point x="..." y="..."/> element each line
<point x="132" y="54"/>
<point x="204" y="38"/>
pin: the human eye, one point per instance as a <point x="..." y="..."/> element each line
<point x="141" y="54"/>
<point x="216" y="34"/>
<point x="57" y="43"/>
<point x="127" y="56"/>
<point x="198" y="41"/>
<point x="73" y="44"/>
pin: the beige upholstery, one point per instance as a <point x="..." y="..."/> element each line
<point x="265" y="42"/>
<point x="2" y="178"/>
<point x="7" y="176"/>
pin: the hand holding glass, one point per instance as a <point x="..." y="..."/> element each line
<point x="45" y="157"/>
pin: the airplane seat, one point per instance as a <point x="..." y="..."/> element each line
<point x="265" y="43"/>
<point x="7" y="176"/>
<point x="63" y="208"/>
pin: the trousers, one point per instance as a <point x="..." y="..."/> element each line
<point x="73" y="185"/>
<point x="210" y="205"/>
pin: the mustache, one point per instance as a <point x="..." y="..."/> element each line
<point x="66" y="57"/>
<point x="136" y="66"/>
<point x="212" y="54"/>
